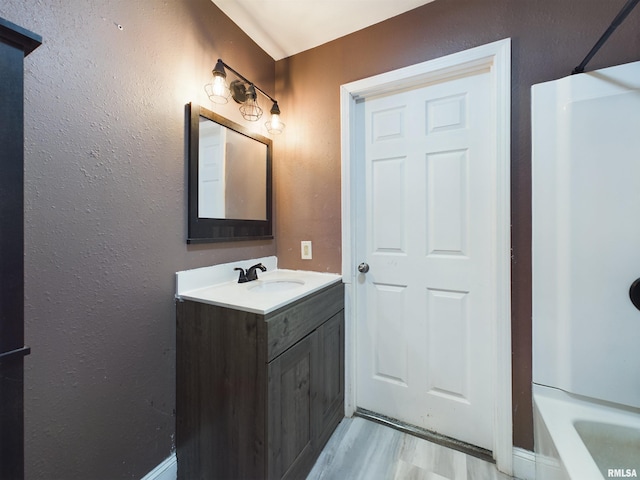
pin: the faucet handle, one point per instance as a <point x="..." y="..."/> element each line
<point x="252" y="273"/>
<point x="243" y="276"/>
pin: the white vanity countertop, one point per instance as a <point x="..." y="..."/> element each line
<point x="260" y="296"/>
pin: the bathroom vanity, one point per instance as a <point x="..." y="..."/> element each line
<point x="260" y="387"/>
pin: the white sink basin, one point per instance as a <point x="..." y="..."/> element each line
<point x="272" y="286"/>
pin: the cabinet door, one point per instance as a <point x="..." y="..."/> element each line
<point x="331" y="394"/>
<point x="293" y="387"/>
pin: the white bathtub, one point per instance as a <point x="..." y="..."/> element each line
<point x="580" y="439"/>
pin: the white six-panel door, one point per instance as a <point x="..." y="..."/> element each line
<point x="424" y="331"/>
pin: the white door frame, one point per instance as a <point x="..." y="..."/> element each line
<point x="495" y="58"/>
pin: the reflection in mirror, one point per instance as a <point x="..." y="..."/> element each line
<point x="229" y="180"/>
<point x="232" y="174"/>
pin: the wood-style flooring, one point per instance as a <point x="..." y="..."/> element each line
<point x="364" y="450"/>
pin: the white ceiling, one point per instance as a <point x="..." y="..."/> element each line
<point x="285" y="27"/>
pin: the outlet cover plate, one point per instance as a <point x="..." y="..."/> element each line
<point x="305" y="250"/>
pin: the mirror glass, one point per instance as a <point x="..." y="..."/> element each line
<point x="229" y="180"/>
<point x="232" y="179"/>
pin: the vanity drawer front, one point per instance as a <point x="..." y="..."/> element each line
<point x="291" y="324"/>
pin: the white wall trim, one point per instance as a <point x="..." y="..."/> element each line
<point x="524" y="464"/>
<point x="496" y="58"/>
<point x="167" y="470"/>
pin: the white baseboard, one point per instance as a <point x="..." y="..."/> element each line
<point x="524" y="464"/>
<point x="167" y="470"/>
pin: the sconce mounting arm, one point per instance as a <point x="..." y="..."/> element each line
<point x="246" y="80"/>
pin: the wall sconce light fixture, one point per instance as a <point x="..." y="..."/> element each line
<point x="244" y="92"/>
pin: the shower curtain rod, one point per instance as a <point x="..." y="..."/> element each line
<point x="626" y="10"/>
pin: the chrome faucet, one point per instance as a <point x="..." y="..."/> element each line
<point x="250" y="274"/>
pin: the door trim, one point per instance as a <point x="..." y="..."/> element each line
<point x="495" y="58"/>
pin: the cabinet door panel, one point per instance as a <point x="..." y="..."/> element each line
<point x="293" y="386"/>
<point x="331" y="346"/>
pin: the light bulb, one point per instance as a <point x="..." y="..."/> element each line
<point x="218" y="90"/>
<point x="250" y="109"/>
<point x="219" y="86"/>
<point x="275" y="125"/>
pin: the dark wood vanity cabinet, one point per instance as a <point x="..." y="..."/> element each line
<point x="258" y="396"/>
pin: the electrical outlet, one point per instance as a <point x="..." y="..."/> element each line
<point x="305" y="250"/>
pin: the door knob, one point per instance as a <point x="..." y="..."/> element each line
<point x="634" y="293"/>
<point x="363" y="267"/>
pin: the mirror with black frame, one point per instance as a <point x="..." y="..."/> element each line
<point x="229" y="180"/>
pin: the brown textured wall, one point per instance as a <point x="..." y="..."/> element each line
<point x="549" y="38"/>
<point x="105" y="191"/>
<point x="105" y="221"/>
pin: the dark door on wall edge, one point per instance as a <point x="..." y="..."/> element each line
<point x="15" y="44"/>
